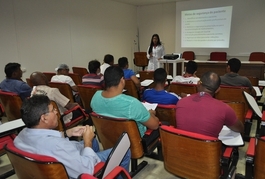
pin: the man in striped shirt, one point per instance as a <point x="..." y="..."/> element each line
<point x="94" y="77"/>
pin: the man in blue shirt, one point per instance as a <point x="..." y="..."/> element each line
<point x="13" y="82"/>
<point x="40" y="117"/>
<point x="158" y="94"/>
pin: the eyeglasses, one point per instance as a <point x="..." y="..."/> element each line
<point x="53" y="110"/>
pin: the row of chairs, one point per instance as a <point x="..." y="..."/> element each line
<point x="141" y="60"/>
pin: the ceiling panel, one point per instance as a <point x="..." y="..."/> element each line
<point x="145" y="2"/>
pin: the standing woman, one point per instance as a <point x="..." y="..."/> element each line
<point x="155" y="52"/>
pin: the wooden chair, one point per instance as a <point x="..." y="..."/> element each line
<point x="144" y="75"/>
<point x="11" y="103"/>
<point x="131" y="89"/>
<point x="109" y="129"/>
<point x="76" y="78"/>
<point x="74" y="122"/>
<point x="28" y="165"/>
<point x="179" y="88"/>
<point x="49" y="75"/>
<point x="65" y="89"/>
<point x="6" y="171"/>
<point x="255" y="159"/>
<point x="192" y="155"/>
<point x="218" y="56"/>
<point x="235" y="94"/>
<point x="254" y="80"/>
<point x="86" y="92"/>
<point x="257" y="56"/>
<point x="188" y="55"/>
<point x="80" y="70"/>
<point x="29" y="82"/>
<point x="140" y="59"/>
<point x="166" y="113"/>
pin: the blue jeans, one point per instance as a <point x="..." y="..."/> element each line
<point x="103" y="155"/>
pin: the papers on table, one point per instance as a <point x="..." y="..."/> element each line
<point x="261" y="82"/>
<point x="149" y="106"/>
<point x="8" y="126"/>
<point x="258" y="93"/>
<point x="230" y="138"/>
<point x="146" y="82"/>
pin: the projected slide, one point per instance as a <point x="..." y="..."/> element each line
<point x="206" y="28"/>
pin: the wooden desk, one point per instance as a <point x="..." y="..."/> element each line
<point x="248" y="68"/>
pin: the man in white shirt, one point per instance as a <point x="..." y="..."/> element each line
<point x="189" y="75"/>
<point x="108" y="61"/>
<point x="62" y="76"/>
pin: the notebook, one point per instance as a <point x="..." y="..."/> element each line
<point x="116" y="155"/>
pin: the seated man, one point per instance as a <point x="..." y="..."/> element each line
<point x="113" y="103"/>
<point x="128" y="73"/>
<point x="62" y="76"/>
<point x="40" y="83"/>
<point x="203" y="114"/>
<point x="189" y="75"/>
<point x="232" y="78"/>
<point x="158" y="94"/>
<point x="94" y="77"/>
<point x="38" y="137"/>
<point x="108" y="61"/>
<point x="13" y="82"/>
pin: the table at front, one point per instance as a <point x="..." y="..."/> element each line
<point x="174" y="62"/>
<point x="248" y="68"/>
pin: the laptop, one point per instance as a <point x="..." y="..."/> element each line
<point x="116" y="155"/>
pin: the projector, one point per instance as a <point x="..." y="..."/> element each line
<point x="172" y="56"/>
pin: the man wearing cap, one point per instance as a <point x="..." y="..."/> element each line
<point x="13" y="82"/>
<point x="62" y="76"/>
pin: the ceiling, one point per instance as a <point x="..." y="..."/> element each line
<point x="145" y="2"/>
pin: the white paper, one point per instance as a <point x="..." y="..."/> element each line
<point x="261" y="82"/>
<point x="146" y="82"/>
<point x="230" y="138"/>
<point x="149" y="106"/>
<point x="7" y="126"/>
<point x="258" y="93"/>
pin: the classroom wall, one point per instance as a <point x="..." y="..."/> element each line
<point x="42" y="34"/>
<point x="247" y="27"/>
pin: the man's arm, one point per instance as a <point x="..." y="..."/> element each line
<point x="237" y="127"/>
<point x="136" y="81"/>
<point x="153" y="121"/>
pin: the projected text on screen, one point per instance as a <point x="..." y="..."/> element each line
<point x="206" y="28"/>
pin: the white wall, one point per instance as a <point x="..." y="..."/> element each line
<point x="41" y="34"/>
<point x="247" y="28"/>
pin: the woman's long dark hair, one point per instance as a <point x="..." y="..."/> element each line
<point x="152" y="44"/>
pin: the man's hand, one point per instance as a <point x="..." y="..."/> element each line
<point x="88" y="136"/>
<point x="76" y="131"/>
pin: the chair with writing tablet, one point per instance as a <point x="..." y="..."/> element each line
<point x="235" y="94"/>
<point x="255" y="159"/>
<point x="166" y="113"/>
<point x="260" y="130"/>
<point x="109" y="129"/>
<point x="65" y="89"/>
<point x="49" y="75"/>
<point x="76" y="78"/>
<point x="86" y="92"/>
<point x="11" y="102"/>
<point x="74" y="122"/>
<point x="179" y="88"/>
<point x="28" y="165"/>
<point x="191" y="155"/>
<point x="114" y="159"/>
<point x="80" y="70"/>
<point x="131" y="89"/>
